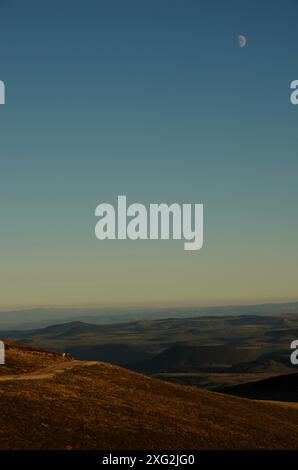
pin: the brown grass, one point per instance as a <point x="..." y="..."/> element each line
<point x="20" y="358"/>
<point x="107" y="407"/>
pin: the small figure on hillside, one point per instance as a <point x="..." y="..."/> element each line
<point x="67" y="356"/>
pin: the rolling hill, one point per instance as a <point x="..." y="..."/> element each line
<point x="204" y="352"/>
<point x="120" y="354"/>
<point x="189" y="358"/>
<point x="281" y="388"/>
<point x="81" y="405"/>
<point x="23" y="359"/>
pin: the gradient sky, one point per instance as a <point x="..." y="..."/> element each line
<point x="155" y="100"/>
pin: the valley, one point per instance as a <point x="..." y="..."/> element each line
<point x="201" y="351"/>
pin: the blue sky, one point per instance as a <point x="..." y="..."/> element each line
<point x="155" y="100"/>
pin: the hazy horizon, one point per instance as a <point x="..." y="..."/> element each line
<point x="146" y="306"/>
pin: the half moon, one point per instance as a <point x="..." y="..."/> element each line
<point x="242" y="41"/>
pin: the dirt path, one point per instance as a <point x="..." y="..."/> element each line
<point x="47" y="372"/>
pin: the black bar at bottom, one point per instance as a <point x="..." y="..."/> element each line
<point x="148" y="458"/>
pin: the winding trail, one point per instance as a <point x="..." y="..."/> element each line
<point x="48" y="372"/>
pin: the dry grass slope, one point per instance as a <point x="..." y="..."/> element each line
<point x="21" y="358"/>
<point x="108" y="407"/>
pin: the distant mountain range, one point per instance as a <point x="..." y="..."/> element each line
<point x="199" y="350"/>
<point x="41" y="317"/>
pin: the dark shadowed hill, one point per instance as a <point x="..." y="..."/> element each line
<point x="64" y="330"/>
<point x="83" y="405"/>
<point x="189" y="358"/>
<point x="281" y="388"/>
<point x="119" y="354"/>
<point x="263" y="365"/>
